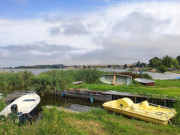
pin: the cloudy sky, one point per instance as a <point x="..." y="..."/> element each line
<point x="34" y="32"/>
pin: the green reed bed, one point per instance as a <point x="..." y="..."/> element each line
<point x="15" y="80"/>
<point x="60" y="79"/>
<point x="97" y="121"/>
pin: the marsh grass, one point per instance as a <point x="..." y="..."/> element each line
<point x="97" y="121"/>
<point x="60" y="79"/>
<point x="177" y="119"/>
<point x="2" y="103"/>
<point x="15" y="80"/>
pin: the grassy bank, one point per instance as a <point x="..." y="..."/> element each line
<point x="97" y="121"/>
<point x="169" y="88"/>
<point x="60" y="80"/>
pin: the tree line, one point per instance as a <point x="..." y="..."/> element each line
<point x="163" y="64"/>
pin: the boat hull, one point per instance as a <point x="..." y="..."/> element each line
<point x="143" y="111"/>
<point x="137" y="116"/>
<point x="116" y="79"/>
<point x="145" y="82"/>
<point x="23" y="107"/>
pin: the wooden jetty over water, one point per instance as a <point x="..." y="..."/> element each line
<point x="104" y="96"/>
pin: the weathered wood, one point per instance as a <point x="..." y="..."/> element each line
<point x="114" y="79"/>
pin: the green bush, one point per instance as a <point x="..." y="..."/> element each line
<point x="14" y="80"/>
<point x="177" y="107"/>
<point x="146" y="76"/>
<point x="162" y="68"/>
<point x="50" y="80"/>
<point x="60" y="79"/>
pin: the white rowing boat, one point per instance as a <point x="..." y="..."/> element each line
<point x="22" y="106"/>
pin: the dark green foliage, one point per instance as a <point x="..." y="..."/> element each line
<point x="167" y="61"/>
<point x="87" y="75"/>
<point x="55" y="79"/>
<point x="178" y="58"/>
<point x="14" y="80"/>
<point x="162" y="68"/>
<point x="177" y="107"/>
<point x="146" y="76"/>
<point x="41" y="66"/>
<point x="2" y="103"/>
<point x="60" y="79"/>
<point x="155" y="62"/>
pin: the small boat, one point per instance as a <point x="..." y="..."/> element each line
<point x="146" y="82"/>
<point x="144" y="111"/>
<point x="152" y="70"/>
<point x="76" y="83"/>
<point x="116" y="79"/>
<point x="177" y="78"/>
<point x="22" y="108"/>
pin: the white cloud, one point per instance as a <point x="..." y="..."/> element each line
<point x="122" y="33"/>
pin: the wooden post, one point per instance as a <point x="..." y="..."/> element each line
<point x="114" y="79"/>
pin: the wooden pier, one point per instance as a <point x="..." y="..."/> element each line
<point x="113" y="95"/>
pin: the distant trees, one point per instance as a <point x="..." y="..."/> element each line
<point x="125" y="66"/>
<point x="165" y="62"/>
<point x="162" y="68"/>
<point x="178" y="58"/>
<point x="175" y="63"/>
<point x="140" y="64"/>
<point x="155" y="62"/>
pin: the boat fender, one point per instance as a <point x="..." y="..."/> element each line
<point x="91" y="98"/>
<point x="63" y="94"/>
<point x="14" y="108"/>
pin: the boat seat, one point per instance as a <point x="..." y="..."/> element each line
<point x="124" y="102"/>
<point x="145" y="105"/>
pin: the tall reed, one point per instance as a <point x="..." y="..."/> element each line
<point x="60" y="79"/>
<point x="14" y="80"/>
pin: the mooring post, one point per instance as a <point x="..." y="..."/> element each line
<point x="91" y="98"/>
<point x="165" y="100"/>
<point x="64" y="93"/>
<point x="110" y="96"/>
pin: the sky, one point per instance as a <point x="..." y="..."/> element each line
<point x="82" y="32"/>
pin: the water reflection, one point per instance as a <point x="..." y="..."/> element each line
<point x="75" y="104"/>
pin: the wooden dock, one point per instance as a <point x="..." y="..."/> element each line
<point x="113" y="95"/>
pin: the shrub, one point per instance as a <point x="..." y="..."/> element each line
<point x="146" y="76"/>
<point x="14" y="80"/>
<point x="162" y="68"/>
<point x="60" y="79"/>
<point x="177" y="107"/>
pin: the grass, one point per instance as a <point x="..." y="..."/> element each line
<point x="97" y="121"/>
<point x="169" y="88"/>
<point x="14" y="80"/>
<point x="59" y="79"/>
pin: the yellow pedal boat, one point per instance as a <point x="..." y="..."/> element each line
<point x="144" y="111"/>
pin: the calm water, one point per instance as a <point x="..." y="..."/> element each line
<point x="69" y="103"/>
